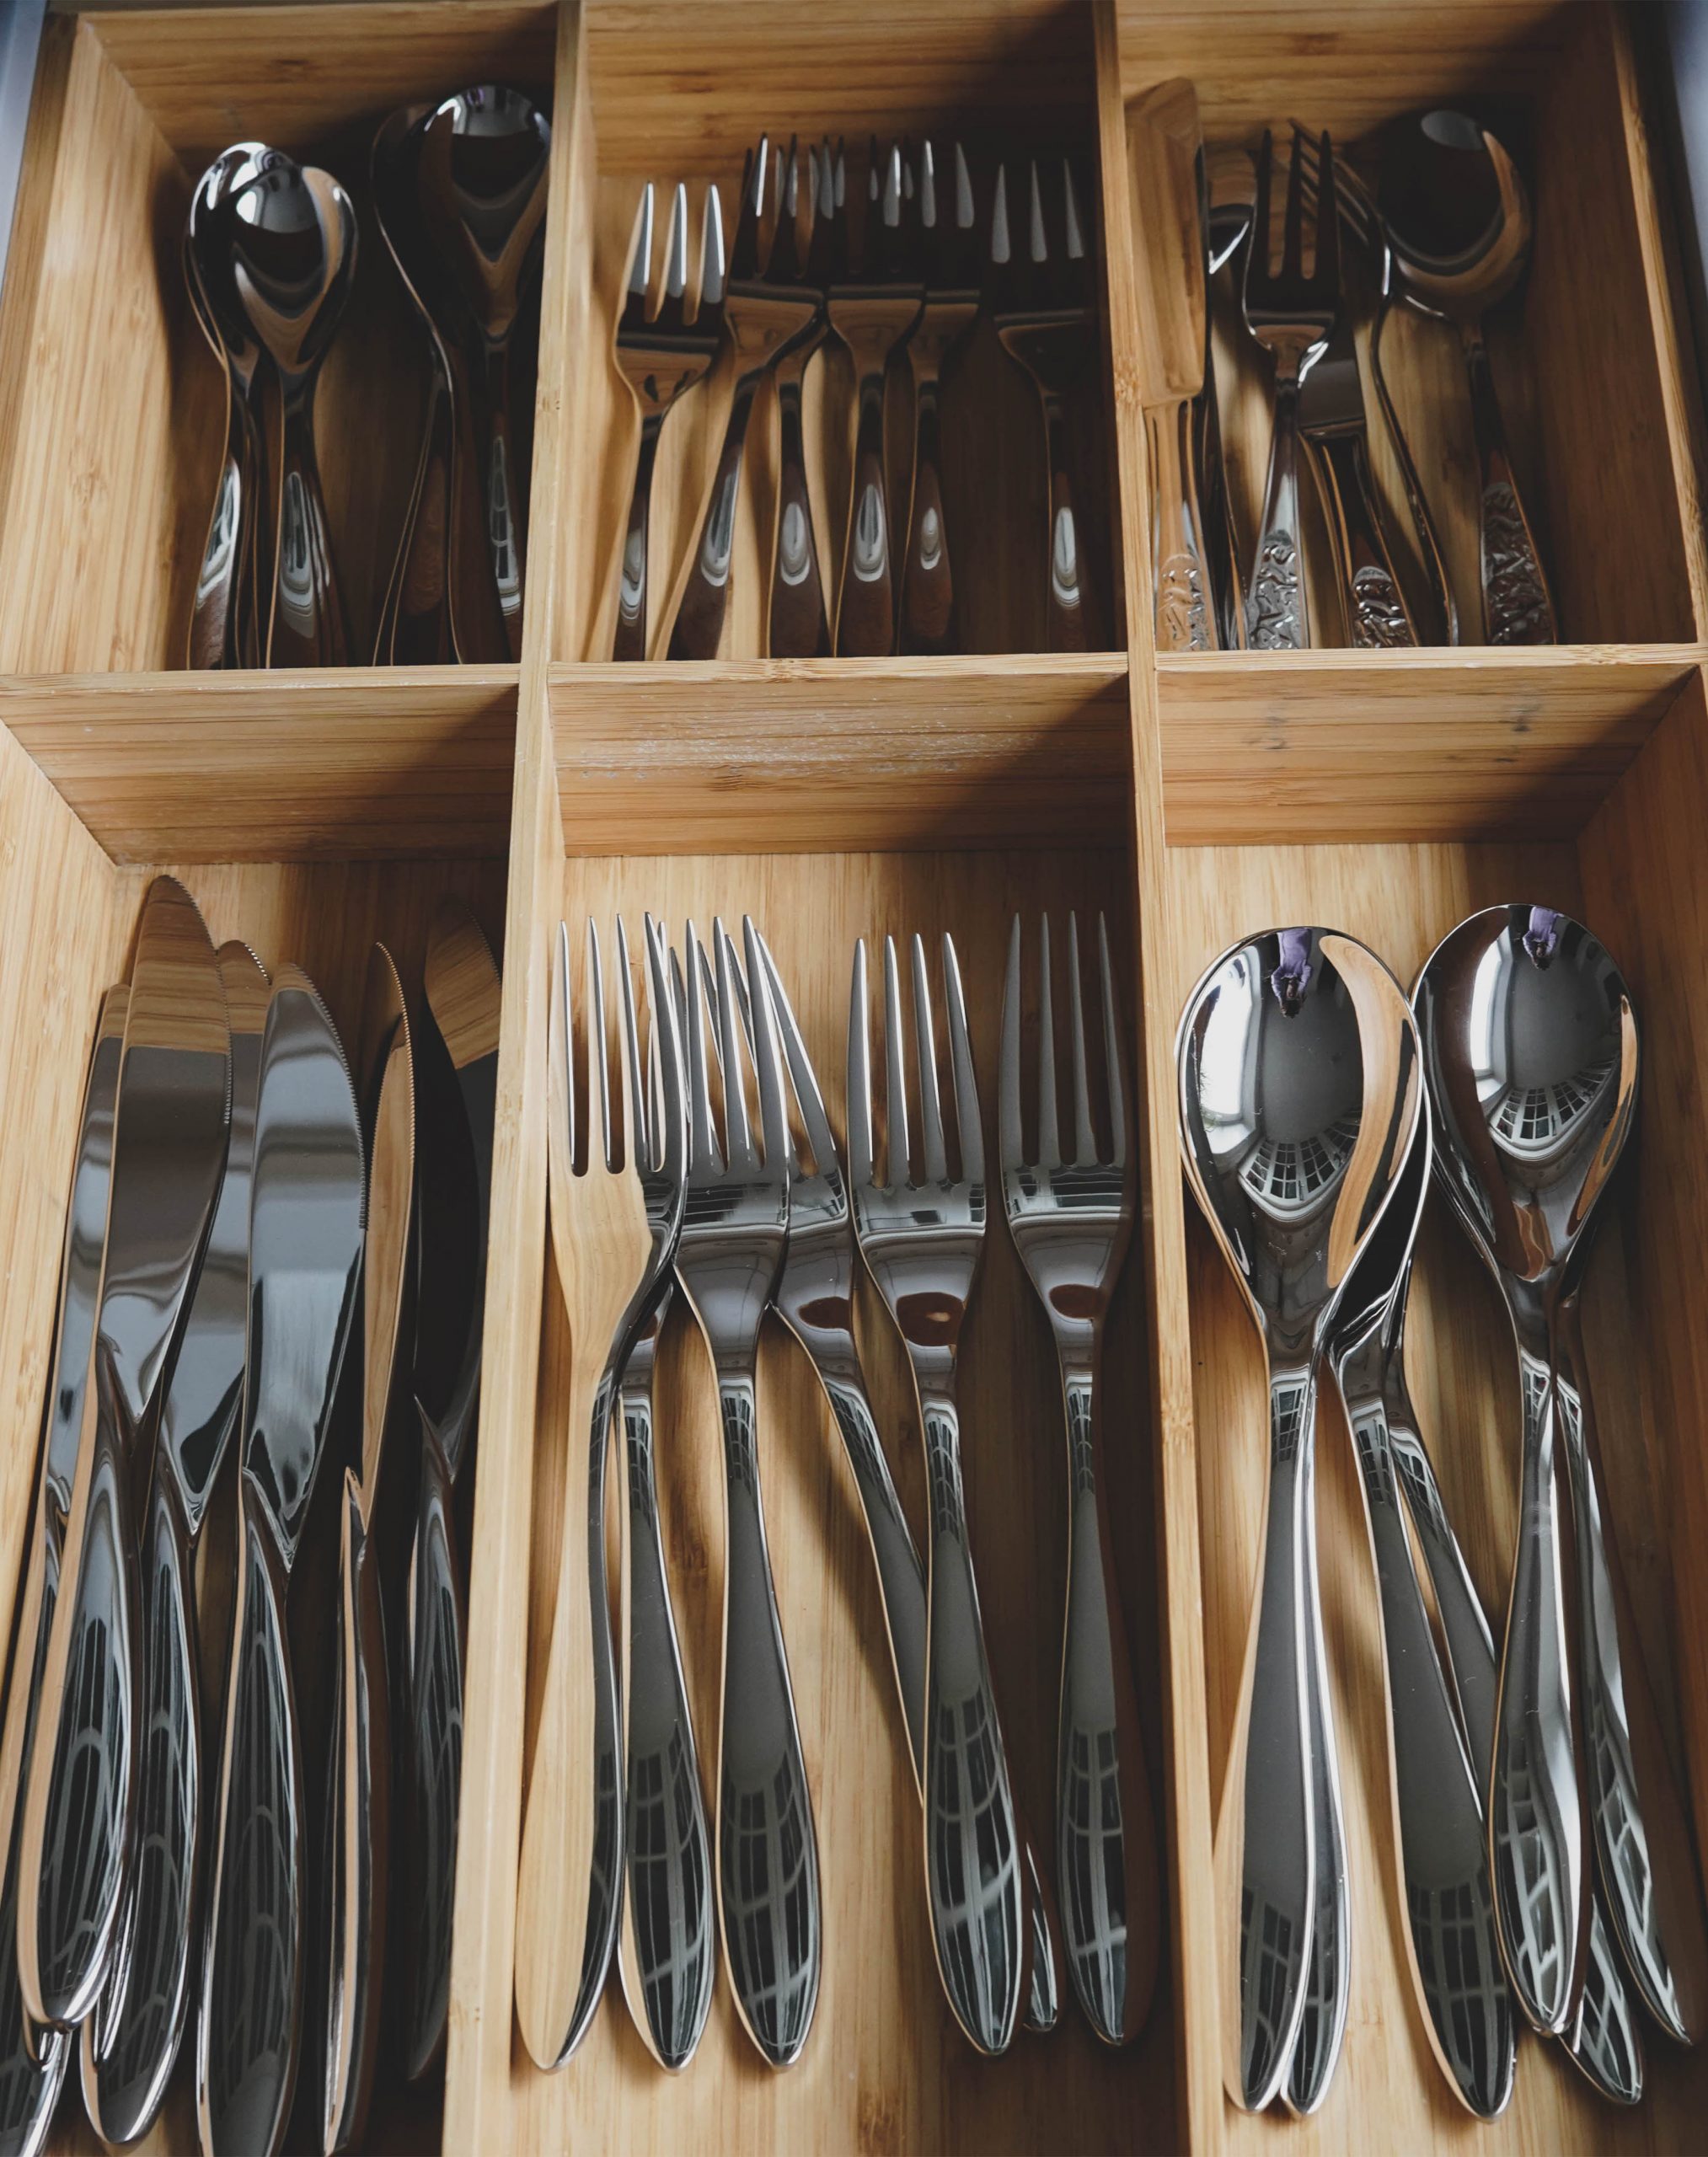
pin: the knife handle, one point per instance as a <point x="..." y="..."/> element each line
<point x="360" y="1793"/>
<point x="130" y="2042"/>
<point x="1377" y="615"/>
<point x="250" y="2031"/>
<point x="81" y="1792"/>
<point x="432" y="1762"/>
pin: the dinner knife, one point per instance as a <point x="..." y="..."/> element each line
<point x="130" y="2042"/>
<point x="306" y="1214"/>
<point x="358" y="1843"/>
<point x="33" y="2062"/>
<point x="169" y="1155"/>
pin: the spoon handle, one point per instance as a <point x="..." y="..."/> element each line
<point x="1535" y="1816"/>
<point x="1518" y="607"/>
<point x="307" y="628"/>
<point x="1265" y="1846"/>
<point x="214" y="638"/>
<point x="1641" y="1832"/>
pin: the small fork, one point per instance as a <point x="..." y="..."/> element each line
<point x="614" y="1228"/>
<point x="1290" y="316"/>
<point x="1071" y="1222"/>
<point x="922" y="1238"/>
<point x="734" y="1233"/>
<point x="797" y="625"/>
<point x="660" y="354"/>
<point x="1044" y="310"/>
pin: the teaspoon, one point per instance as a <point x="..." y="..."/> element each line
<point x="1457" y="219"/>
<point x="291" y="230"/>
<point x="1531" y="1049"/>
<point x="1299" y="1092"/>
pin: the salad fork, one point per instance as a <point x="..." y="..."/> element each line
<point x="733" y="1231"/>
<point x="1290" y="315"/>
<point x="1044" y="308"/>
<point x="921" y="1237"/>
<point x="1071" y="1222"/>
<point x="614" y="1228"/>
<point x="661" y="352"/>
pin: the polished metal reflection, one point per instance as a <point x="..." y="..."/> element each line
<point x="291" y="232"/>
<point x="1443" y="1845"/>
<point x="130" y="2045"/>
<point x="735" y="1226"/>
<point x="1299" y="1098"/>
<point x="922" y="1235"/>
<point x="1531" y="1045"/>
<point x="1072" y="1222"/>
<point x="33" y="2062"/>
<point x="168" y="1153"/>
<point x="306" y="1221"/>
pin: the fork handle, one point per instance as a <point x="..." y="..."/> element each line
<point x="699" y="627"/>
<point x="1518" y="607"/>
<point x="1377" y="615"/>
<point x="928" y="583"/>
<point x="630" y="641"/>
<point x="865" y="619"/>
<point x="1072" y="622"/>
<point x="799" y="626"/>
<point x="1277" y="616"/>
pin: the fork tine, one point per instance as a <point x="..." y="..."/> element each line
<point x="1327" y="270"/>
<point x="936" y="1161"/>
<point x="675" y="247"/>
<point x="599" y="1053"/>
<point x="640" y="259"/>
<point x="768" y="1060"/>
<point x="1351" y="200"/>
<point x="859" y="1074"/>
<point x="1011" y="1134"/>
<point x="1292" y="225"/>
<point x="1084" y="1138"/>
<point x="744" y="253"/>
<point x="967" y="1111"/>
<point x="713" y="267"/>
<point x="928" y="187"/>
<point x="801" y="1075"/>
<point x="1257" y="252"/>
<point x="739" y="1150"/>
<point x="898" y="1169"/>
<point x="637" y="1134"/>
<point x="1041" y="246"/>
<point x="1076" y="235"/>
<point x="1000" y="247"/>
<point x="703" y="1138"/>
<point x="563" y="1042"/>
<point x="1049" y="1125"/>
<point x="667" y="1124"/>
<point x="1111" y="1049"/>
<point x="964" y="217"/>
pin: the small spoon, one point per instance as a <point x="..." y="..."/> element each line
<point x="1299" y="1094"/>
<point x="482" y="168"/>
<point x="1458" y="220"/>
<point x="291" y="230"/>
<point x="1531" y="1049"/>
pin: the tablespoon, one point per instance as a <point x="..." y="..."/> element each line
<point x="291" y="230"/>
<point x="1531" y="1049"/>
<point x="482" y="180"/>
<point x="1297" y="1061"/>
<point x="1459" y="222"/>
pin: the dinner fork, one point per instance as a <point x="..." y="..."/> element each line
<point x="661" y="351"/>
<point x="797" y="626"/>
<point x="763" y="317"/>
<point x="1044" y="308"/>
<point x="614" y="1228"/>
<point x="1071" y="1222"/>
<point x="922" y="1238"/>
<point x="949" y="253"/>
<point x="1290" y="315"/>
<point x="873" y="305"/>
<point x="733" y="1231"/>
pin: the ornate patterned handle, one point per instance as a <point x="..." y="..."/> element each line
<point x="248" y="2038"/>
<point x="1518" y="606"/>
<point x="699" y="627"/>
<point x="799" y="626"/>
<point x="928" y="580"/>
<point x="1277" y="616"/>
<point x="972" y="1842"/>
<point x="1184" y="621"/>
<point x="1536" y="1820"/>
<point x="866" y="617"/>
<point x="768" y="1845"/>
<point x="130" y="2042"/>
<point x="1377" y="616"/>
<point x="432" y="1758"/>
<point x="416" y="628"/>
<point x="306" y="624"/>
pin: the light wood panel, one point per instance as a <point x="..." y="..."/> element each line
<point x="800" y="756"/>
<point x="218" y="767"/>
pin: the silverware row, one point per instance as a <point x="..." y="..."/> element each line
<point x="235" y="1205"/>
<point x="1446" y="232"/>
<point x="906" y="281"/>
<point x="270" y="258"/>
<point x="665" y="1182"/>
<point x="1544" y="1848"/>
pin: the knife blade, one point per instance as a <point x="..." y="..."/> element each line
<point x="463" y="997"/>
<point x="169" y="1155"/>
<point x="358" y="1843"/>
<point x="306" y="1215"/>
<point x="131" y="2043"/>
<point x="33" y="2062"/>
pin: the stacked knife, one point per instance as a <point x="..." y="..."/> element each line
<point x="235" y="1204"/>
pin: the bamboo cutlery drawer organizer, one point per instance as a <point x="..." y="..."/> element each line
<point x="1193" y="797"/>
